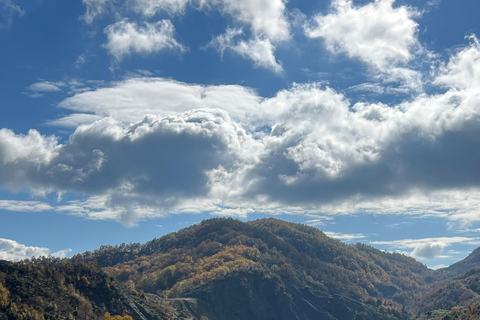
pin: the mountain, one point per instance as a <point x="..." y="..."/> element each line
<point x="296" y="266"/>
<point x="470" y="262"/>
<point x="227" y="269"/>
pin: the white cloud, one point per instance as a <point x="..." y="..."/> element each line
<point x="455" y="205"/>
<point x="225" y="149"/>
<point x="428" y="251"/>
<point x="151" y="165"/>
<point x="427" y="248"/>
<point x="94" y="9"/>
<point x="439" y="266"/>
<point x="74" y="120"/>
<point x="267" y="21"/>
<point x="24" y="206"/>
<point x="377" y="33"/>
<point x="345" y="236"/>
<point x="463" y="70"/>
<point x="22" y="156"/>
<point x="46" y="86"/>
<point x="14" y="251"/>
<point x="81" y="60"/>
<point x="260" y="51"/>
<point x="265" y="17"/>
<point x="125" y="38"/>
<point x="8" y="10"/>
<point x="130" y="100"/>
<point x="150" y="7"/>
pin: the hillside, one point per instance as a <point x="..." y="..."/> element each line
<point x="470" y="262"/>
<point x="61" y="289"/>
<point x="287" y="261"/>
<point x="65" y="290"/>
<point x="227" y="269"/>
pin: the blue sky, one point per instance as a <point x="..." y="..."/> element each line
<point x="125" y="120"/>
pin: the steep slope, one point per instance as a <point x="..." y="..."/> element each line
<point x="460" y="297"/>
<point x="227" y="269"/>
<point x="59" y="289"/>
<point x="275" y="265"/>
<point x="470" y="262"/>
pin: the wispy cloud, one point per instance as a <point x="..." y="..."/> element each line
<point x="24" y="206"/>
<point x="345" y="236"/>
<point x="38" y="89"/>
<point x="8" y="10"/>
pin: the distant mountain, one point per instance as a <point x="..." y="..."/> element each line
<point x="470" y="262"/>
<point x="227" y="269"/>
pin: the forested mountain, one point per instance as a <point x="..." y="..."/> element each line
<point x="227" y="269"/>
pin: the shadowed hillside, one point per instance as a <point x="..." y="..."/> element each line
<point x="268" y="253"/>
<point x="227" y="269"/>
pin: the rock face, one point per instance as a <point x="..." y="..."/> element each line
<point x="226" y="269"/>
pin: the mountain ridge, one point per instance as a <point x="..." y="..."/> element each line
<point x="227" y="269"/>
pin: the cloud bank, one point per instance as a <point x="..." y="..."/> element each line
<point x="14" y="251"/>
<point x="147" y="146"/>
<point x="227" y="149"/>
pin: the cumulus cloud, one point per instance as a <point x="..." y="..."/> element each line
<point x="268" y="24"/>
<point x="227" y="150"/>
<point x="154" y="163"/>
<point x="260" y="51"/>
<point x="14" y="251"/>
<point x="380" y="34"/>
<point x="266" y="20"/>
<point x="428" y="251"/>
<point x="125" y="38"/>
<point x="463" y="70"/>
<point x="21" y="157"/>
<point x="377" y="33"/>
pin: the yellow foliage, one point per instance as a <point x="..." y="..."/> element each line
<point x="107" y="316"/>
<point x="3" y="296"/>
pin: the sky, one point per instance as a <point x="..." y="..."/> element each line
<point x="122" y="121"/>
